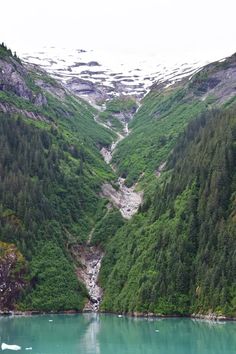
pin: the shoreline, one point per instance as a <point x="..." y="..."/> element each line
<point x="208" y="317"/>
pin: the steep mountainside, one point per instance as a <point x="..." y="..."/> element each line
<point x="164" y="114"/>
<point x="177" y="256"/>
<point x="51" y="173"/>
<point x="130" y="207"/>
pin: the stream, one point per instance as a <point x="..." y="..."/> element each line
<point x="90" y="258"/>
<point x="127" y="200"/>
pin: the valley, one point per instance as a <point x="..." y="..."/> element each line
<point x="113" y="179"/>
<point x="125" y="199"/>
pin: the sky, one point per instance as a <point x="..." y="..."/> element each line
<point x="169" y="27"/>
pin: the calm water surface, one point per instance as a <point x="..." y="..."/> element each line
<point x="109" y="334"/>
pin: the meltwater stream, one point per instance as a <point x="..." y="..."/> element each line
<point x="110" y="334"/>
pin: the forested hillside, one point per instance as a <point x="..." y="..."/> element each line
<point x="179" y="255"/>
<point x="165" y="112"/>
<point x="51" y="171"/>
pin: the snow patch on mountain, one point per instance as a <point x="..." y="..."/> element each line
<point x="98" y="75"/>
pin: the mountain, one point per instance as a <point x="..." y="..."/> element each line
<point x="128" y="203"/>
<point x="177" y="256"/>
<point x="99" y="75"/>
<point x="165" y="112"/>
<point x="51" y="173"/>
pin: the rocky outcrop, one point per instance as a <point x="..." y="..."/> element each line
<point x="55" y="90"/>
<point x="8" y="108"/>
<point x="132" y="76"/>
<point x="216" y="80"/>
<point x="160" y="169"/>
<point x="126" y="199"/>
<point x="14" y="78"/>
<point x="211" y="316"/>
<point x="88" y="89"/>
<point x="12" y="275"/>
<point x="80" y="86"/>
<point x="89" y="259"/>
<point x="11" y="75"/>
<point x="107" y="153"/>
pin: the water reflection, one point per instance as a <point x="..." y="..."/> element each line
<point x="107" y="334"/>
<point x="90" y="340"/>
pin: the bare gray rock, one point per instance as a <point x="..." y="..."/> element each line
<point x="126" y="199"/>
<point x="89" y="258"/>
<point x="8" y="108"/>
<point x="14" y="78"/>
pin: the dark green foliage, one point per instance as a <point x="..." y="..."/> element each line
<point x="117" y="110"/>
<point x="36" y="186"/>
<point x="47" y="190"/>
<point x="107" y="227"/>
<point x="154" y="132"/>
<point x="108" y="118"/>
<point x="53" y="281"/>
<point x="179" y="257"/>
<point x="5" y="52"/>
<point x="121" y="104"/>
<point x="50" y="177"/>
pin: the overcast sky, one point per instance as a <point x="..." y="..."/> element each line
<point x="170" y="27"/>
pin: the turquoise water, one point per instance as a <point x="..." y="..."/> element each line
<point x="109" y="334"/>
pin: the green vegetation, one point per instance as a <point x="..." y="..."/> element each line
<point x="107" y="227"/>
<point x="51" y="173"/>
<point x="121" y="104"/>
<point x="54" y="283"/>
<point x="117" y="110"/>
<point x="154" y="132"/>
<point x="178" y="256"/>
<point x="107" y="118"/>
<point x="6" y="53"/>
<point x="49" y="190"/>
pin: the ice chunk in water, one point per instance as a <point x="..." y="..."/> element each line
<point x="10" y="346"/>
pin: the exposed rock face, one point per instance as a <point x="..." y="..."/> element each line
<point x="12" y="272"/>
<point x="40" y="100"/>
<point x="131" y="76"/>
<point x="226" y="84"/>
<point x="81" y="86"/>
<point x="126" y="199"/>
<point x="160" y="169"/>
<point x="88" y="89"/>
<point x="13" y="79"/>
<point x="7" y="108"/>
<point x="55" y="90"/>
<point x="218" y="83"/>
<point x="90" y="258"/>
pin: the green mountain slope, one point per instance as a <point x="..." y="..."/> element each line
<point x="164" y="114"/>
<point x="179" y="256"/>
<point x="51" y="172"/>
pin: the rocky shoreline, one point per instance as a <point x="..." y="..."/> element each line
<point x="35" y="312"/>
<point x="207" y="317"/>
